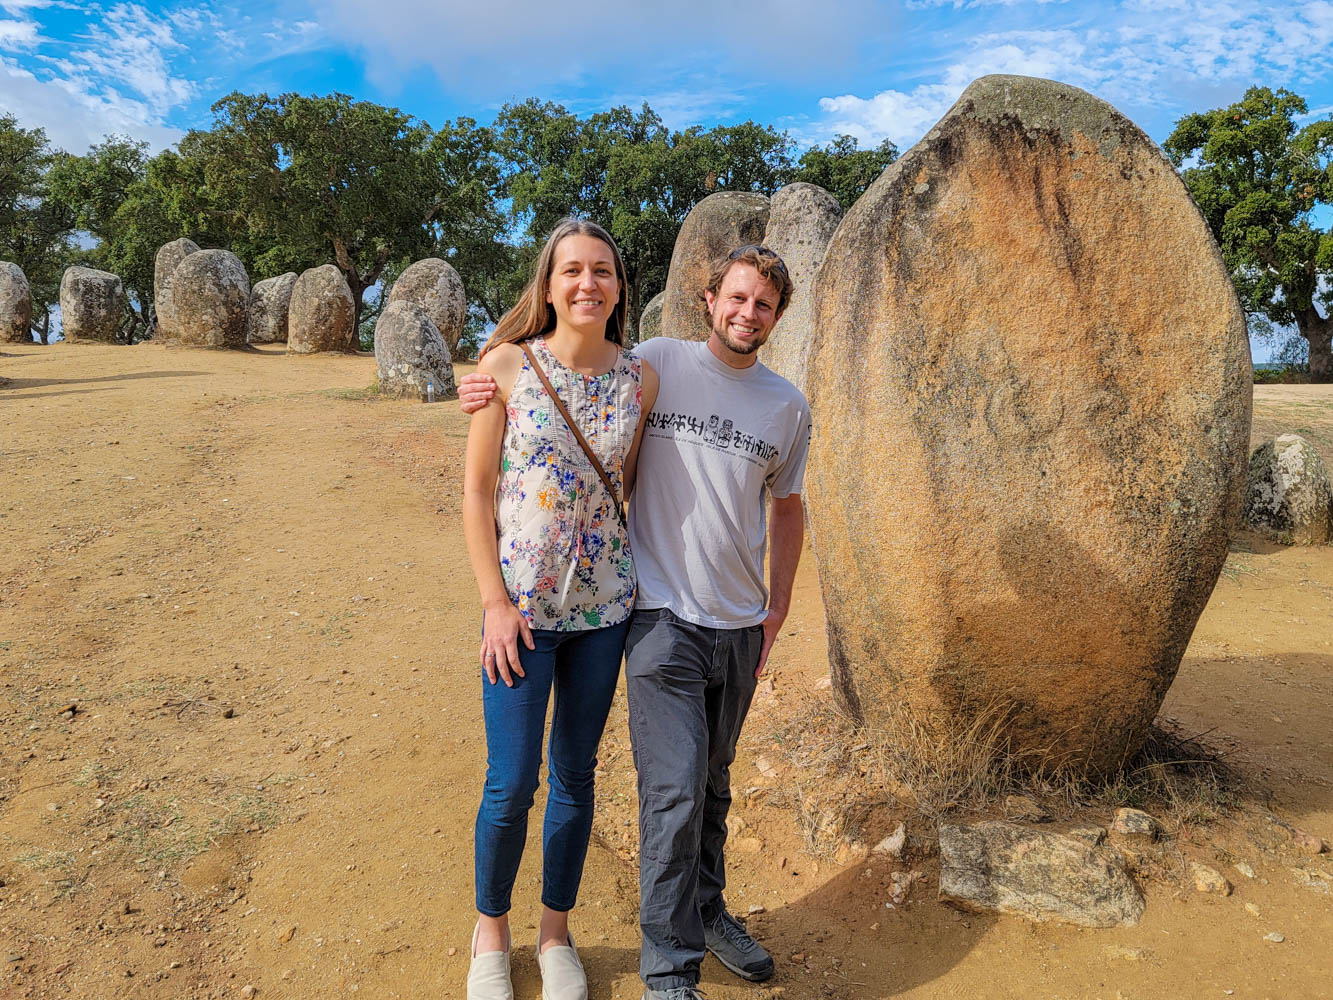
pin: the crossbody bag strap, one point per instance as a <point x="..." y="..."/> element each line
<point x="578" y="435"/>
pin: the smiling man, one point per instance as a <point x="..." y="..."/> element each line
<point x="719" y="479"/>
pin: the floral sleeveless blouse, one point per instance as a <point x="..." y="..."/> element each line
<point x="564" y="556"/>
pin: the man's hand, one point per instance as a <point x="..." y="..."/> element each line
<point x="475" y="391"/>
<point x="772" y="626"/>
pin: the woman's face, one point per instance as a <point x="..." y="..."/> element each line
<point x="583" y="288"/>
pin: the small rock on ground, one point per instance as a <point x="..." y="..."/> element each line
<point x="1209" y="880"/>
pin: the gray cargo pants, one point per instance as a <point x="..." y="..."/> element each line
<point x="689" y="688"/>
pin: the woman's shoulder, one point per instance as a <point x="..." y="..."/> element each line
<point x="502" y="362"/>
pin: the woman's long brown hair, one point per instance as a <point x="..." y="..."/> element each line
<point x="533" y="315"/>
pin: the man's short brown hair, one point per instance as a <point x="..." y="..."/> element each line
<point x="762" y="259"/>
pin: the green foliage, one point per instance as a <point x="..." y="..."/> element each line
<point x="36" y="230"/>
<point x="1257" y="177"/>
<point x="842" y="169"/>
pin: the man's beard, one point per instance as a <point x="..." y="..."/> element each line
<point x="733" y="345"/>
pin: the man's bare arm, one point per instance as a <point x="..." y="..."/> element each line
<point x="786" y="534"/>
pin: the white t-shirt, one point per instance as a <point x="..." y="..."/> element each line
<point x="718" y="442"/>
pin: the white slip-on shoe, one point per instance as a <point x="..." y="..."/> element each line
<point x="562" y="972"/>
<point x="488" y="975"/>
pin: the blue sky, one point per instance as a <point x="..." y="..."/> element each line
<point x="814" y="67"/>
<point x="874" y="69"/>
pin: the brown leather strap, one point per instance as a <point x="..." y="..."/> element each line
<point x="578" y="435"/>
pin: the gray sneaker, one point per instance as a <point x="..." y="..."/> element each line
<point x="675" y="993"/>
<point x="731" y="944"/>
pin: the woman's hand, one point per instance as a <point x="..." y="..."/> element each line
<point x="503" y="624"/>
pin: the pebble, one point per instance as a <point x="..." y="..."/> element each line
<point x="893" y="844"/>
<point x="1245" y="869"/>
<point x="798" y="956"/>
<point x="248" y="991"/>
<point x="228" y="712"/>
<point x="287" y="934"/>
<point x="1275" y="937"/>
<point x="1251" y="909"/>
<point x="755" y="908"/>
<point x="1209" y="880"/>
<point x="1020" y="807"/>
<point x="453" y="952"/>
<point x="1307" y="842"/>
<point x="1135" y="823"/>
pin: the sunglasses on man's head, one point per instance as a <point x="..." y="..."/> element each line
<point x="762" y="251"/>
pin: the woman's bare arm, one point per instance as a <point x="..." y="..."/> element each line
<point x="648" y="397"/>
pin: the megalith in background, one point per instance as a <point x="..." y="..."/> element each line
<point x="435" y="286"/>
<point x="801" y="220"/>
<point x="410" y="352"/>
<point x="1288" y="496"/>
<point x="322" y="312"/>
<point x="209" y="295"/>
<point x="266" y="314"/>
<point x="715" y="227"/>
<point x="1030" y="382"/>
<point x="169" y="257"/>
<point x="15" y="305"/>
<point x="92" y="304"/>
<point x="650" y="319"/>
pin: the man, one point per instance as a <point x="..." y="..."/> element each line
<point x="725" y="435"/>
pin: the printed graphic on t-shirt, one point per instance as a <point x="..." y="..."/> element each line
<point x="715" y="433"/>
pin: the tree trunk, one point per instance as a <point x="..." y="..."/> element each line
<point x="44" y="331"/>
<point x="358" y="293"/>
<point x="1318" y="332"/>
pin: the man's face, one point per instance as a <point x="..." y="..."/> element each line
<point x="744" y="310"/>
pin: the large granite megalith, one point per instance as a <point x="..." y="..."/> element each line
<point x="15" y="305"/>
<point x="801" y="220"/>
<point x="650" y="319"/>
<point x="1288" y="496"/>
<point x="716" y="226"/>
<point x="169" y="257"/>
<point x="321" y="313"/>
<point x="209" y="295"/>
<point x="1030" y="383"/>
<point x="266" y="315"/>
<point x="92" y="304"/>
<point x="434" y="285"/>
<point x="409" y="352"/>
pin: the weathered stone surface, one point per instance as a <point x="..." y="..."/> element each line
<point x="1135" y="823"/>
<point x="1031" y="388"/>
<point x="650" y="320"/>
<point x="169" y="257"/>
<point x="266" y="314"/>
<point x="209" y="295"/>
<point x="715" y="227"/>
<point x="15" y="305"/>
<point x="1041" y="876"/>
<point x="92" y="304"/>
<point x="1209" y="880"/>
<point x="321" y="312"/>
<point x="434" y="285"/>
<point x="1288" y="496"/>
<point x="410" y="352"/>
<point x="801" y="220"/>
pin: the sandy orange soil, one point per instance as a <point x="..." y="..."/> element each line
<point x="245" y="574"/>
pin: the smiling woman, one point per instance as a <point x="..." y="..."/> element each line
<point x="548" y="461"/>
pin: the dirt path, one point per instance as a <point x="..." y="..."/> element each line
<point x="247" y="576"/>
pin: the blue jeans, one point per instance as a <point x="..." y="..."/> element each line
<point x="582" y="667"/>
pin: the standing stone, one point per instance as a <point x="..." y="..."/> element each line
<point x="169" y="257"/>
<point x="209" y="294"/>
<point x="1005" y="868"/>
<point x="92" y="304"/>
<point x="15" y="305"/>
<point x="410" y="352"/>
<point x="650" y="320"/>
<point x="715" y="227"/>
<point x="321" y="313"/>
<point x="1288" y="496"/>
<point x="266" y="315"/>
<point x="434" y="285"/>
<point x="1030" y="384"/>
<point x="801" y="221"/>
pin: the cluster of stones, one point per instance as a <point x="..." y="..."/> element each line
<point x="419" y="330"/>
<point x="15" y="305"/>
<point x="204" y="299"/>
<point x="1031" y="390"/>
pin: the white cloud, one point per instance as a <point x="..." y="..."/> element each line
<point x="502" y="49"/>
<point x="17" y="34"/>
<point x="1142" y="55"/>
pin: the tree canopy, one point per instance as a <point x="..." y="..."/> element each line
<point x="1258" y="177"/>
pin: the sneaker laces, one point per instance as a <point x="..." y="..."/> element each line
<point x="685" y="993"/>
<point x="733" y="930"/>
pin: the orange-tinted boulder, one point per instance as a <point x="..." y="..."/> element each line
<point x="715" y="227"/>
<point x="1030" y="384"/>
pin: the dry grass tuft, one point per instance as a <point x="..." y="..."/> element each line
<point x="839" y="773"/>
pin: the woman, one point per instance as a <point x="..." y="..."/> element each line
<point x="550" y="551"/>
